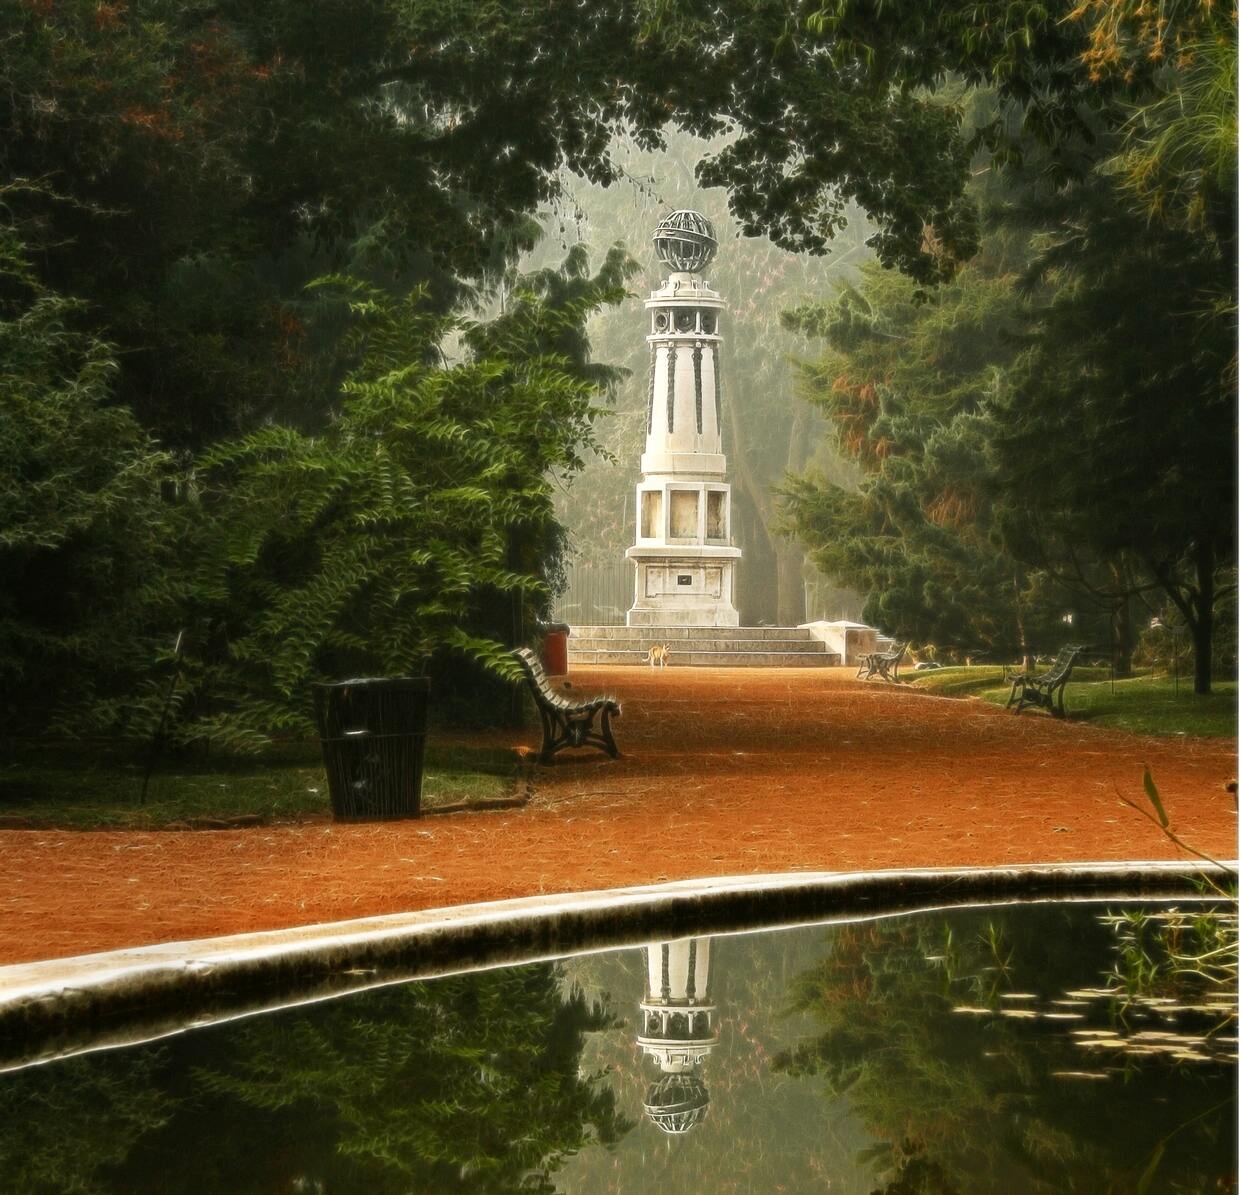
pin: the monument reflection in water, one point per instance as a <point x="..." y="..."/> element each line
<point x="678" y="1031"/>
<point x="1042" y="1049"/>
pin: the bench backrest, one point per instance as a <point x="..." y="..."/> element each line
<point x="1062" y="665"/>
<point x="531" y="665"/>
<point x="538" y="680"/>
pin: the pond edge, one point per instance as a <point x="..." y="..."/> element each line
<point x="59" y="1007"/>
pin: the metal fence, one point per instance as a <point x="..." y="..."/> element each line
<point x="598" y="594"/>
<point x="825" y="601"/>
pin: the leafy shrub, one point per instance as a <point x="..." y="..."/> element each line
<point x="418" y="521"/>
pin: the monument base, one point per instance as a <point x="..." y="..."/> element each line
<point x="683" y="591"/>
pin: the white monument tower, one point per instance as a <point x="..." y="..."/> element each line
<point x="678" y="1031"/>
<point x="684" y="558"/>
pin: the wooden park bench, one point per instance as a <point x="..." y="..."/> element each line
<point x="882" y="663"/>
<point x="1046" y="689"/>
<point x="566" y="723"/>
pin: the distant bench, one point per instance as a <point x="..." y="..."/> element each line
<point x="882" y="663"/>
<point x="566" y="723"/>
<point x="1046" y="689"/>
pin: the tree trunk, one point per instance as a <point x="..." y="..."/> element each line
<point x="1026" y="652"/>
<point x="516" y="629"/>
<point x="790" y="554"/>
<point x="1121" y="635"/>
<point x="757" y="570"/>
<point x="788" y="562"/>
<point x="1203" y="623"/>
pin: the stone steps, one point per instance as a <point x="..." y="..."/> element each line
<point x="650" y="635"/>
<point x="702" y="647"/>
<point x="714" y="659"/>
<point x="797" y="647"/>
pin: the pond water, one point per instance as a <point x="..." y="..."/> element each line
<point x="1041" y="1048"/>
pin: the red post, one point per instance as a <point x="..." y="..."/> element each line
<point x="555" y="649"/>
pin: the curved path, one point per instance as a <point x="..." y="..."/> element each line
<point x="725" y="772"/>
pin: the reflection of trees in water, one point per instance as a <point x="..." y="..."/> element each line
<point x="62" y="1124"/>
<point x="469" y="1083"/>
<point x="962" y="1043"/>
<point x="957" y="1044"/>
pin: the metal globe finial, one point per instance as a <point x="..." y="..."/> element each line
<point x="685" y="241"/>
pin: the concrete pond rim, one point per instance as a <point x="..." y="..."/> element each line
<point x="57" y="1008"/>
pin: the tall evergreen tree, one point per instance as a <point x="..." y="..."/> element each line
<point x="1119" y="430"/>
<point x="908" y="384"/>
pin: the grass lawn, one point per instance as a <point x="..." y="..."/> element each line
<point x="1142" y="704"/>
<point x="72" y="787"/>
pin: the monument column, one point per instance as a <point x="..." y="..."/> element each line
<point x="683" y="555"/>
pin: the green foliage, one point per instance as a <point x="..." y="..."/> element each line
<point x="181" y="170"/>
<point x="493" y="1099"/>
<point x="207" y="160"/>
<point x="1151" y="791"/>
<point x="938" y="1034"/>
<point x="1117" y="427"/>
<point x="907" y="384"/>
<point x="82" y="520"/>
<point x="64" y="1124"/>
<point x="416" y="522"/>
<point x="469" y="1083"/>
<point x="1180" y="148"/>
<point x="1049" y="433"/>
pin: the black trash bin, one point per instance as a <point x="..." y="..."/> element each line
<point x="373" y="733"/>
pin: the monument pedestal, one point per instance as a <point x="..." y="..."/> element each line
<point x="674" y="588"/>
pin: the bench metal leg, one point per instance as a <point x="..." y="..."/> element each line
<point x="609" y="744"/>
<point x="577" y="731"/>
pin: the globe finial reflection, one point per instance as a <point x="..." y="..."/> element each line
<point x="685" y="241"/>
<point x="676" y="1103"/>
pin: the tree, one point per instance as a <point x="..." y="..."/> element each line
<point x="1119" y="428"/>
<point x="62" y="1124"/>
<point x="83" y="523"/>
<point x="183" y="169"/>
<point x="402" y="529"/>
<point x="962" y="1102"/>
<point x="1017" y="428"/>
<point x="205" y="161"/>
<point x="907" y="384"/>
<point x="468" y="1083"/>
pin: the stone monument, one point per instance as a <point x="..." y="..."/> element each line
<point x="684" y="583"/>
<point x="684" y="558"/>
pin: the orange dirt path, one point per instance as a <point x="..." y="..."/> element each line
<point x="724" y="772"/>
